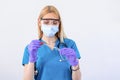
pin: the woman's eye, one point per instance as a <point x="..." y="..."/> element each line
<point x="46" y="22"/>
<point x="55" y="22"/>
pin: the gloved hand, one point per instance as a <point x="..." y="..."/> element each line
<point x="70" y="55"/>
<point x="32" y="49"/>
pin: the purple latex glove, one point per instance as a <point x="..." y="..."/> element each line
<point x="32" y="48"/>
<point x="70" y="55"/>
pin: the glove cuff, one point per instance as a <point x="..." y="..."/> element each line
<point x="32" y="60"/>
<point x="75" y="63"/>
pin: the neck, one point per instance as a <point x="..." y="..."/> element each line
<point x="49" y="40"/>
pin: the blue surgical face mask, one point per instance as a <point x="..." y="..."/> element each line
<point x="49" y="30"/>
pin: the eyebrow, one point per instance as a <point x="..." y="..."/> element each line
<point x="50" y="19"/>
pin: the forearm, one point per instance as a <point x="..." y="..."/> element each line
<point x="76" y="75"/>
<point x="29" y="72"/>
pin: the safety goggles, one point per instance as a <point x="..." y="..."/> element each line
<point x="50" y="21"/>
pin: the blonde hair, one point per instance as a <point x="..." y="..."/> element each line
<point x="51" y="9"/>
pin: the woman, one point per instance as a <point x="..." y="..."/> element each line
<point x="52" y="56"/>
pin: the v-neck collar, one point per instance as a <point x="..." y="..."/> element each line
<point x="56" y="43"/>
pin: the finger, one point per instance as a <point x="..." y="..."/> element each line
<point x="35" y="41"/>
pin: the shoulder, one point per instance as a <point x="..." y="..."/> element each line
<point x="69" y="42"/>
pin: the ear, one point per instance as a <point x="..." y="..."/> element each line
<point x="39" y="21"/>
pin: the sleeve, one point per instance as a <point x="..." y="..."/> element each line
<point x="25" y="59"/>
<point x="71" y="44"/>
<point x="76" y="50"/>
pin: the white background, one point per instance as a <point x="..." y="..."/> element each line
<point x="93" y="24"/>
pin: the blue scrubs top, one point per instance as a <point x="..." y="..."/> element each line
<point x="48" y="62"/>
